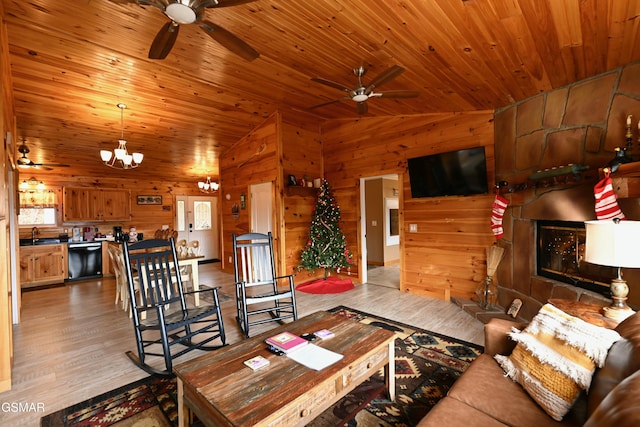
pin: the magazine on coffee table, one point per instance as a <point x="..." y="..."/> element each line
<point x="314" y="357"/>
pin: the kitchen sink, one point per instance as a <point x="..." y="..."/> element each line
<point x="40" y="241"/>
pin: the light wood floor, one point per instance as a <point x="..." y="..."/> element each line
<point x="71" y="342"/>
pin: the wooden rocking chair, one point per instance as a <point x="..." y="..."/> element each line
<point x="257" y="292"/>
<point x="162" y="317"/>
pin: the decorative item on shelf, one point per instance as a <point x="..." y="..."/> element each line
<point x="207" y="186"/>
<point x="619" y="159"/>
<point x="120" y="157"/>
<point x="629" y="138"/>
<point x="614" y="243"/>
<point x="487" y="291"/>
<point x="557" y="175"/>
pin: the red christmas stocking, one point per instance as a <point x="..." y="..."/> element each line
<point x="606" y="200"/>
<point x="497" y="212"/>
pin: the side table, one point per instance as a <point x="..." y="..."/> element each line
<point x="591" y="313"/>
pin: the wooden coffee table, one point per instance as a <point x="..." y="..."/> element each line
<point x="221" y="391"/>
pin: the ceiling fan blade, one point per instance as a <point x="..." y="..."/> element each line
<point x="164" y="41"/>
<point x="362" y="107"/>
<point x="331" y="84"/>
<point x="229" y="40"/>
<point x="226" y="3"/>
<point x="398" y="94"/>
<point x="389" y="74"/>
<point x="328" y="103"/>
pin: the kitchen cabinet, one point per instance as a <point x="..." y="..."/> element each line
<point x="43" y="264"/>
<point x="88" y="204"/>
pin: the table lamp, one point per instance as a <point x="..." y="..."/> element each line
<point x="614" y="243"/>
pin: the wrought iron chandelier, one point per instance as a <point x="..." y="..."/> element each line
<point x="120" y="157"/>
<point x="207" y="186"/>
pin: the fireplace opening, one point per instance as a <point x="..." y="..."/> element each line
<point x="560" y="256"/>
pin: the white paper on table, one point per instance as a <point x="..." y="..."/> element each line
<point x="314" y="357"/>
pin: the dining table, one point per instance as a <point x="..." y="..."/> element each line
<point x="191" y="262"/>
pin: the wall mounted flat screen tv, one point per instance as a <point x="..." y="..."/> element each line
<point x="456" y="173"/>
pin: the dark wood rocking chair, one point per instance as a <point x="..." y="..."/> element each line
<point x="257" y="283"/>
<point x="162" y="316"/>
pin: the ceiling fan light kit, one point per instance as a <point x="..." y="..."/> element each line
<point x="361" y="94"/>
<point x="25" y="162"/>
<point x="185" y="12"/>
<point x="120" y="157"/>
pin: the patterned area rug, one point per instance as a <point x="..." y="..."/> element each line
<point x="426" y="365"/>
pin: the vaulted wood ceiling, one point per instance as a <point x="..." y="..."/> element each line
<point x="72" y="61"/>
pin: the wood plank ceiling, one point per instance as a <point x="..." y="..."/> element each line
<point x="72" y="61"/>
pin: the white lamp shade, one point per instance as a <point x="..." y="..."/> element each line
<point x="137" y="157"/>
<point x="127" y="158"/>
<point x="613" y="244"/>
<point x="120" y="153"/>
<point x="105" y="155"/>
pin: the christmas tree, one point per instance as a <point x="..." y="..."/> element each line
<point x="327" y="246"/>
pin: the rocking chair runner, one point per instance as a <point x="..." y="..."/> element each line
<point x="257" y="292"/>
<point x="162" y="317"/>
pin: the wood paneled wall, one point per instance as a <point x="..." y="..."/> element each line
<point x="446" y="256"/>
<point x="283" y="145"/>
<point x="252" y="160"/>
<point x="6" y="219"/>
<point x="146" y="218"/>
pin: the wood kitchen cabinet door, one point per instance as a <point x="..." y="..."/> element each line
<point x="86" y="204"/>
<point x="76" y="204"/>
<point x="116" y="205"/>
<point x="44" y="264"/>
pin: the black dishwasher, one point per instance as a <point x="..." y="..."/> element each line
<point x="85" y="260"/>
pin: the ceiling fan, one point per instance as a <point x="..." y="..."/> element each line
<point x="361" y="93"/>
<point x="183" y="12"/>
<point x="25" y="162"/>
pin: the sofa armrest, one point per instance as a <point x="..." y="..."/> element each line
<point x="496" y="336"/>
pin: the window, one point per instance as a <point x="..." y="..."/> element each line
<point x="37" y="207"/>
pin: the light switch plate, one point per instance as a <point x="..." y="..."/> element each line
<point x="413" y="228"/>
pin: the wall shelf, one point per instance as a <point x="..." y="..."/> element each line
<point x="296" y="190"/>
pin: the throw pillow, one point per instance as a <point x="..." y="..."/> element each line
<point x="555" y="358"/>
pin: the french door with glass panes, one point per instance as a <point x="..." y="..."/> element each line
<point x="197" y="219"/>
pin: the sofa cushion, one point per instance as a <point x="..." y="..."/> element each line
<point x="630" y="329"/>
<point x="620" y="407"/>
<point x="555" y="358"/>
<point x="452" y="412"/>
<point x="617" y="367"/>
<point x="484" y="387"/>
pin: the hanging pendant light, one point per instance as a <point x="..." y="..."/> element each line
<point x="120" y="157"/>
<point x="207" y="186"/>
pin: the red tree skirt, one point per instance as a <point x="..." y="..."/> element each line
<point x="332" y="285"/>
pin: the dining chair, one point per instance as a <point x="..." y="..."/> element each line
<point x="163" y="316"/>
<point x="258" y="293"/>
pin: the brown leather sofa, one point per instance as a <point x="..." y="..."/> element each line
<point x="483" y="396"/>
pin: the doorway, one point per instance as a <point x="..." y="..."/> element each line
<point x="197" y="219"/>
<point x="380" y="230"/>
<point x="261" y="207"/>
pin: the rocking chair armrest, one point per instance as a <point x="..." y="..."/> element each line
<point x="205" y="288"/>
<point x="288" y="276"/>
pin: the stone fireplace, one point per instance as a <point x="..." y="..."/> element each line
<point x="544" y="244"/>
<point x="581" y="123"/>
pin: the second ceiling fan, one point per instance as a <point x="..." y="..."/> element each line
<point x="362" y="93"/>
<point x="183" y="12"/>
